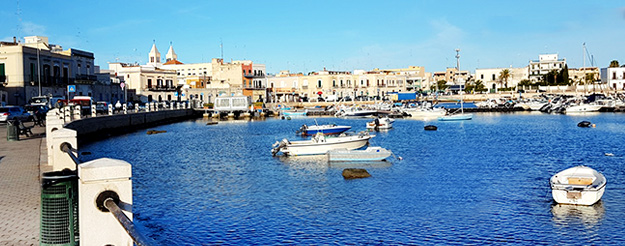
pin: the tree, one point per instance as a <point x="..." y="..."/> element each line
<point x="589" y="78"/>
<point x="563" y="76"/>
<point x="479" y="86"/>
<point x="504" y="75"/>
<point x="614" y="63"/>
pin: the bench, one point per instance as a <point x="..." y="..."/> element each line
<point x="24" y="130"/>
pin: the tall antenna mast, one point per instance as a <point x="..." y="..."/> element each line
<point x="221" y="45"/>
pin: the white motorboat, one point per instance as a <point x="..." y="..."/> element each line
<point x="424" y="112"/>
<point x="369" y="154"/>
<point x="583" y="107"/>
<point x="578" y="185"/>
<point x="321" y="144"/>
<point x="381" y="123"/>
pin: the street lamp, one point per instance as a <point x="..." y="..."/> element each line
<point x="38" y="66"/>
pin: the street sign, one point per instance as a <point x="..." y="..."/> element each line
<point x="122" y="85"/>
<point x="71" y="88"/>
<point x="175" y="94"/>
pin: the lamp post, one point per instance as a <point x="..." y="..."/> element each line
<point x="38" y="67"/>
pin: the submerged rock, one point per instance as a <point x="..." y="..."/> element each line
<point x="355" y="173"/>
<point x="150" y="132"/>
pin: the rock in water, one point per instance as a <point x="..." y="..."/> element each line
<point x="150" y="132"/>
<point x="355" y="173"/>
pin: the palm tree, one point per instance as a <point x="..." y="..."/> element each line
<point x="614" y="63"/>
<point x="479" y="86"/>
<point x="504" y="75"/>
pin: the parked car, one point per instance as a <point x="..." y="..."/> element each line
<point x="101" y="107"/>
<point x="14" y="113"/>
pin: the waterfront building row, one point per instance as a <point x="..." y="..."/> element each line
<point x="37" y="67"/>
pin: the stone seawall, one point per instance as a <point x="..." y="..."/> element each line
<point x="92" y="129"/>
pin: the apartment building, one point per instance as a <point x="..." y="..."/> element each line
<point x="38" y="67"/>
<point x="545" y="64"/>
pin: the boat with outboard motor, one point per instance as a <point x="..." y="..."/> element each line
<point x="578" y="185"/>
<point x="328" y="129"/>
<point x="381" y="123"/>
<point x="321" y="144"/>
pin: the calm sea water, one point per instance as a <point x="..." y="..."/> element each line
<point x="475" y="182"/>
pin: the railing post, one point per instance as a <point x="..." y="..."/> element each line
<point x="67" y="113"/>
<point x="110" y="109"/>
<point x="125" y="107"/>
<point x="93" y="111"/>
<point x="100" y="180"/>
<point x="57" y="158"/>
<point x="77" y="113"/>
<point x="136" y="108"/>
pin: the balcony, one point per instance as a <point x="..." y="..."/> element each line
<point x="163" y="88"/>
<point x="85" y="79"/>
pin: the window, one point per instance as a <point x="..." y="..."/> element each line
<point x="493" y="77"/>
<point x="2" y="73"/>
<point x="149" y="83"/>
<point x="481" y="76"/>
<point x="333" y="83"/>
<point x="613" y="75"/>
<point x="319" y="84"/>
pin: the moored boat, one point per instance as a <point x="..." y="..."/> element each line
<point x="455" y="117"/>
<point x="328" y="129"/>
<point x="381" y="123"/>
<point x="368" y="154"/>
<point x="578" y="185"/>
<point x="320" y="144"/>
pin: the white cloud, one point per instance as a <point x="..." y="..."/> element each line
<point x="29" y="29"/>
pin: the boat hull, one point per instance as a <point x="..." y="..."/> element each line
<point x="587" y="198"/>
<point x="325" y="130"/>
<point x="311" y="148"/>
<point x="456" y="117"/>
<point x="369" y="154"/>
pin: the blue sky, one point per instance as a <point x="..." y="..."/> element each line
<point x="303" y="36"/>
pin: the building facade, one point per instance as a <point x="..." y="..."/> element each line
<point x="545" y="64"/>
<point x="37" y="67"/>
<point x="491" y="77"/>
<point x="613" y="77"/>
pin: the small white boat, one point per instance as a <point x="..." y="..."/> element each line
<point x="294" y="112"/>
<point x="321" y="144"/>
<point x="381" y="123"/>
<point x="425" y="113"/>
<point x="578" y="185"/>
<point x="583" y="107"/>
<point x="369" y="154"/>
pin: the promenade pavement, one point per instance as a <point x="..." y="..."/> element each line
<point x="20" y="189"/>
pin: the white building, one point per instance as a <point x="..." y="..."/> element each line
<point x="544" y="64"/>
<point x="491" y="77"/>
<point x="614" y="77"/>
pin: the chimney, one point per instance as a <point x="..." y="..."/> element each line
<point x="14" y="41"/>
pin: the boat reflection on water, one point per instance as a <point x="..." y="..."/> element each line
<point x="360" y="164"/>
<point x="566" y="214"/>
<point x="320" y="162"/>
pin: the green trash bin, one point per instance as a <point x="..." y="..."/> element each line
<point x="59" y="208"/>
<point x="13" y="133"/>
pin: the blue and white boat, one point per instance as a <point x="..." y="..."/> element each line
<point x="329" y="129"/>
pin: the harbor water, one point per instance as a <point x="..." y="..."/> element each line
<point x="481" y="181"/>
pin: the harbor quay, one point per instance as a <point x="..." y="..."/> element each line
<point x="25" y="160"/>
